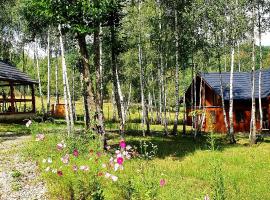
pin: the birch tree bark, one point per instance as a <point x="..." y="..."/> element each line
<point x="98" y="91"/>
<point x="252" y="135"/>
<point x="87" y="85"/>
<point x="141" y="75"/>
<point x="177" y="99"/>
<point x="67" y="96"/>
<point x="39" y="80"/>
<point x="261" y="67"/>
<point x="56" y="82"/>
<point x="231" y="132"/>
<point x="49" y="72"/>
<point x="117" y="88"/>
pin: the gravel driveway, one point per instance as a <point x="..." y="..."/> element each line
<point x="18" y="178"/>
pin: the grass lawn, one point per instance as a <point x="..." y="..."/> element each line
<point x="190" y="168"/>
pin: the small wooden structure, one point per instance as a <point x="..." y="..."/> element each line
<point x="17" y="94"/>
<point x="204" y="104"/>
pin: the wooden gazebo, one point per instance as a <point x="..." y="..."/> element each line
<point x="17" y="94"/>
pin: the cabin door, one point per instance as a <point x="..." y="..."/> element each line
<point x="265" y="119"/>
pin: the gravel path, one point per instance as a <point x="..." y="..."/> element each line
<point x="18" y="178"/>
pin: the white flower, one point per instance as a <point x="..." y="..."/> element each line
<point x="104" y="165"/>
<point x="47" y="169"/>
<point x="54" y="171"/>
<point x="107" y="175"/>
<point x="114" y="178"/>
<point x="50" y="160"/>
<point x="84" y="168"/>
<point x="116" y="166"/>
<point x="44" y="160"/>
<point x="128" y="156"/>
<point x="117" y="152"/>
<point x="128" y="147"/>
<point x="28" y="123"/>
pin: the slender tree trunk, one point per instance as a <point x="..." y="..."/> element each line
<point x="185" y="110"/>
<point x="73" y="95"/>
<point x="56" y="83"/>
<point x="113" y="105"/>
<point x="141" y="76"/>
<point x="116" y="82"/>
<point x="98" y="93"/>
<point x="261" y="67"/>
<point x="67" y="96"/>
<point x="87" y="88"/>
<point x="128" y="102"/>
<point x="101" y="68"/>
<point x="165" y="120"/>
<point x="39" y="80"/>
<point x="177" y="98"/>
<point x="231" y="132"/>
<point x="49" y="73"/>
<point x="252" y="135"/>
<point x="222" y="96"/>
<point x="238" y="56"/>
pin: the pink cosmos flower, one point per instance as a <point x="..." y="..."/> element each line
<point x="65" y="159"/>
<point x="107" y="175"/>
<point x="162" y="182"/>
<point x="99" y="154"/>
<point x="40" y="137"/>
<point x="60" y="146"/>
<point x="120" y="160"/>
<point x="59" y="173"/>
<point x="206" y="197"/>
<point x="76" y="153"/>
<point x="84" y="168"/>
<point x="122" y="144"/>
<point x="75" y="168"/>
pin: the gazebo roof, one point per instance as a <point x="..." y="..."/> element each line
<point x="10" y="73"/>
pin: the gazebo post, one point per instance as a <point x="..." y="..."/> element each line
<point x="33" y="98"/>
<point x="12" y="97"/>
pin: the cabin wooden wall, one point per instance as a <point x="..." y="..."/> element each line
<point x="213" y="106"/>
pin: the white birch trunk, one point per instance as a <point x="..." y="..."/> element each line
<point x="67" y="96"/>
<point x="231" y="132"/>
<point x="177" y="98"/>
<point x="252" y="135"/>
<point x="141" y="76"/>
<point x="260" y="73"/>
<point x="39" y="80"/>
<point x="49" y="73"/>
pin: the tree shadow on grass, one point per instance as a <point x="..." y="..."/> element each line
<point x="180" y="146"/>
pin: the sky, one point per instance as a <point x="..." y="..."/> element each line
<point x="265" y="39"/>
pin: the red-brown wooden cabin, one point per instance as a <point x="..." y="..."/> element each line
<point x="17" y="94"/>
<point x="206" y="109"/>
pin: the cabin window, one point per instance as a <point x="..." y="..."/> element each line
<point x="213" y="116"/>
<point x="240" y="116"/>
<point x="216" y="99"/>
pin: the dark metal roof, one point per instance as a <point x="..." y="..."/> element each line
<point x="242" y="84"/>
<point x="11" y="73"/>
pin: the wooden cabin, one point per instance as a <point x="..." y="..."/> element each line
<point x="204" y="102"/>
<point x="17" y="94"/>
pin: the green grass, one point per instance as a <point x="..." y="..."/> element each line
<point x="191" y="169"/>
<point x="188" y="166"/>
